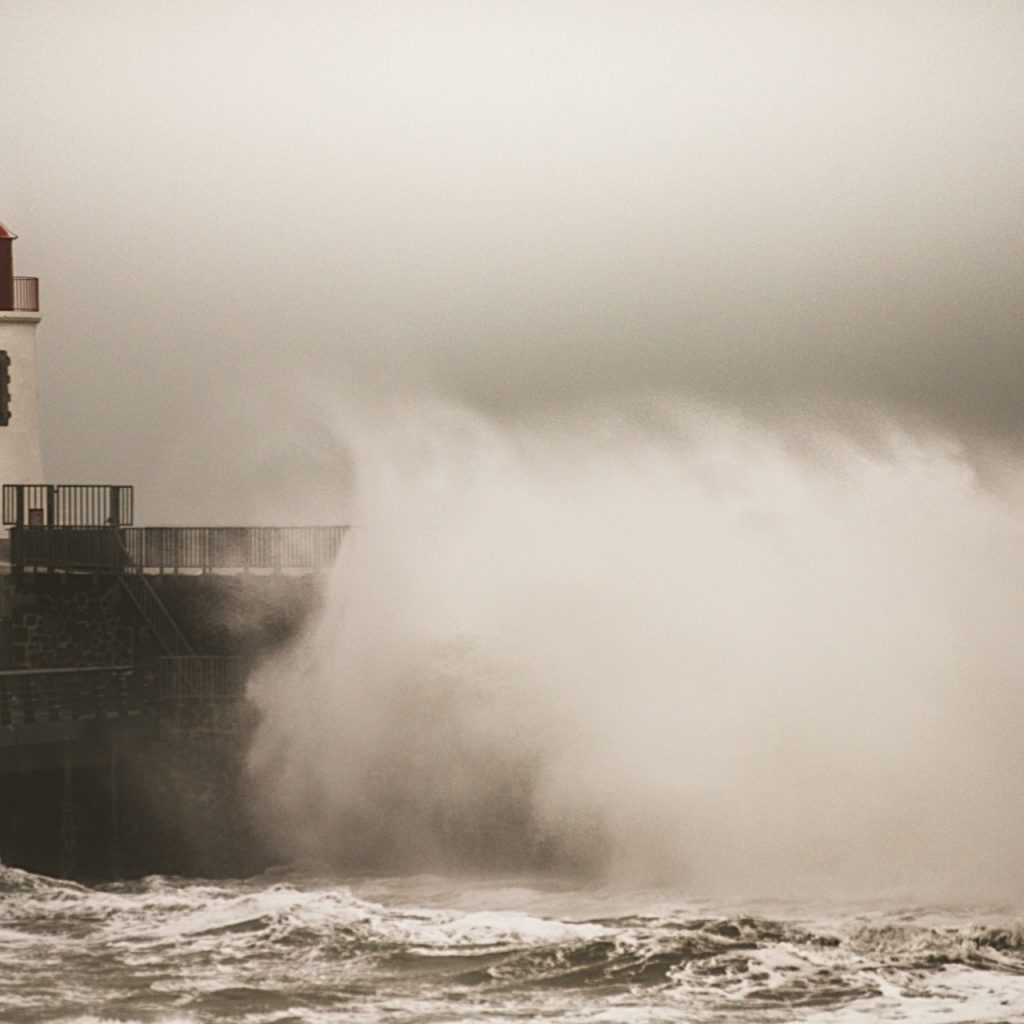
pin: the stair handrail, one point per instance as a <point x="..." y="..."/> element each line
<point x="153" y="610"/>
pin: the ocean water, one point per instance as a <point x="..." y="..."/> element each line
<point x="297" y="947"/>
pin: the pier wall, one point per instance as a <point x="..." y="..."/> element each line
<point x="63" y="621"/>
<point x="56" y="620"/>
<point x="137" y="770"/>
<point x="136" y="805"/>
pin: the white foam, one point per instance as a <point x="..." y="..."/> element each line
<point x="499" y="929"/>
<point x="955" y="995"/>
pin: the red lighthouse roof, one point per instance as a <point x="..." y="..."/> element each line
<point x="4" y="233"/>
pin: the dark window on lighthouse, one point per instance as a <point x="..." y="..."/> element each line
<point x="5" y="389"/>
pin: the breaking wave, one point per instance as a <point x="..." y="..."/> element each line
<point x="294" y="947"/>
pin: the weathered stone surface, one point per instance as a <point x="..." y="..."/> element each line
<point x="61" y="622"/>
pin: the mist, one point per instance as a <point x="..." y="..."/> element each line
<point x="663" y="647"/>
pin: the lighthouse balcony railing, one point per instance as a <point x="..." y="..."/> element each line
<point x="175" y="549"/>
<point x="68" y="505"/>
<point x="26" y="295"/>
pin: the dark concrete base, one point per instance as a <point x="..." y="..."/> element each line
<point x="138" y="807"/>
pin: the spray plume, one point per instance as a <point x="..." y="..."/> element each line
<point x="669" y="646"/>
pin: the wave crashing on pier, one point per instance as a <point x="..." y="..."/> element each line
<point x="671" y="645"/>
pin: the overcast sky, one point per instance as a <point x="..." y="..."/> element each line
<point x="246" y="214"/>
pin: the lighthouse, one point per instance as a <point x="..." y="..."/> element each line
<point x="21" y="460"/>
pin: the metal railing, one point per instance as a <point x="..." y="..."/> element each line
<point x="28" y="696"/>
<point x="202" y="678"/>
<point x="176" y="549"/>
<point x="234" y="547"/>
<point x="68" y="505"/>
<point x="174" y="687"/>
<point x="26" y="295"/>
<point x="203" y="695"/>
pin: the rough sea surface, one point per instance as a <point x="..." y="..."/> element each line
<point x="300" y="948"/>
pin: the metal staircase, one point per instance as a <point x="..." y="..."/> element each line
<point x="152" y="609"/>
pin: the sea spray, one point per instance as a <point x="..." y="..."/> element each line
<point x="675" y="644"/>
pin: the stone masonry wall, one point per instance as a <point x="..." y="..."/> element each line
<point x="59" y="622"/>
<point x="65" y="620"/>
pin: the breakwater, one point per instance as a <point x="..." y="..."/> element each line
<point x="124" y="722"/>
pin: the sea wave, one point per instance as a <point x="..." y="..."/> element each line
<point x="281" y="948"/>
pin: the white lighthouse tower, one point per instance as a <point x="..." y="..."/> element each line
<point x="21" y="458"/>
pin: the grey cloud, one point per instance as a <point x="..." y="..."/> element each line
<point x="783" y="208"/>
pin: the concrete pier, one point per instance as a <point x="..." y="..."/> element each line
<point x="124" y="723"/>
